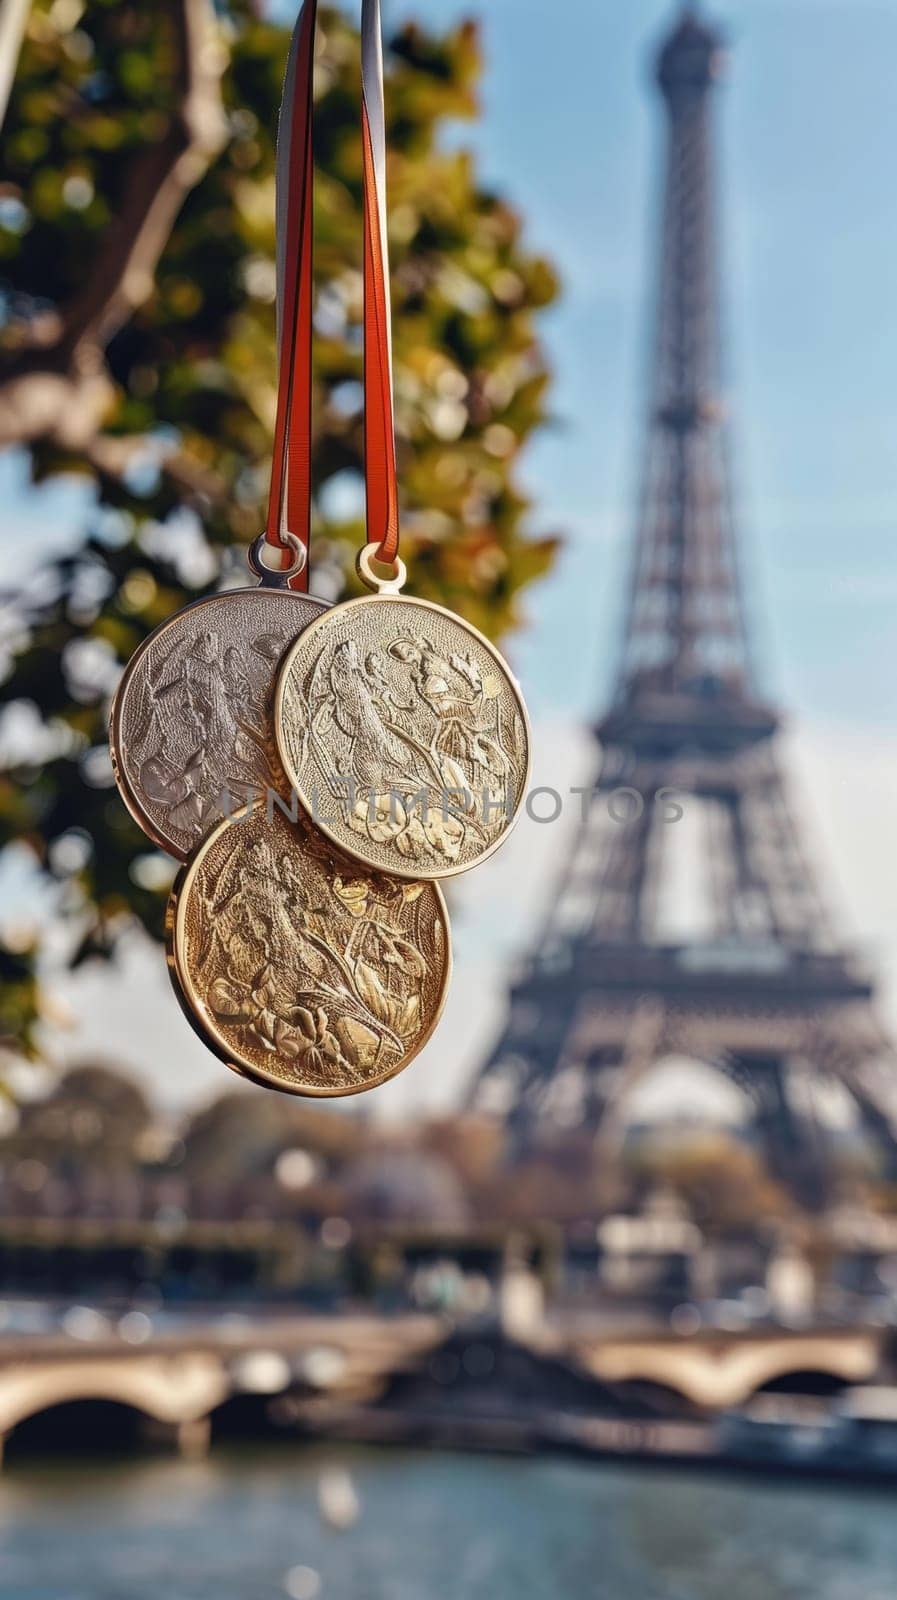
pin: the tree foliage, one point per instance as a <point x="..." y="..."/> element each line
<point x="90" y="1123"/>
<point x="137" y="345"/>
<point x="723" y="1183"/>
<point x="239" y="1136"/>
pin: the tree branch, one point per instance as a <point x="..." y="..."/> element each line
<point x="157" y="187"/>
<point x="114" y="455"/>
<point x="61" y="390"/>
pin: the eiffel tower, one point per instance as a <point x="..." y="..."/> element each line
<point x="688" y="922"/>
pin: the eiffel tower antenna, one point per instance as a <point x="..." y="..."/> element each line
<point x="732" y="961"/>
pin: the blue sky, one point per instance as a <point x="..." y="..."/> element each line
<point x="571" y="133"/>
<point x="808" y="130"/>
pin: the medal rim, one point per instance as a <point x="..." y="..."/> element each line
<point x="412" y="873"/>
<point x="194" y="1008"/>
<point x="126" y="788"/>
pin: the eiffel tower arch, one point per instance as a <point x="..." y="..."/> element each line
<point x="731" y="959"/>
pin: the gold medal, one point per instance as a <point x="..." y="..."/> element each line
<point x="403" y="733"/>
<point x="191" y="727"/>
<point x="296" y="969"/>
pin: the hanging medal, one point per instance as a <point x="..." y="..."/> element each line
<point x="191" y="732"/>
<point x="400" y="727"/>
<point x="191" y="729"/>
<point x="299" y="970"/>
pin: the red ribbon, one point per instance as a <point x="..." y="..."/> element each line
<point x="289" y="503"/>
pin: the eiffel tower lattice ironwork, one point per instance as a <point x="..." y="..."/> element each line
<point x="701" y="934"/>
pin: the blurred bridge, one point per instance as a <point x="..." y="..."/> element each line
<point x="716" y="1370"/>
<point x="178" y="1380"/>
<point x="318" y="1367"/>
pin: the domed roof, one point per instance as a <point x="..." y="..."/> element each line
<point x="407" y="1186"/>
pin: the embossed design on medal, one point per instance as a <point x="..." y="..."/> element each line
<point x="296" y="968"/>
<point x="191" y="726"/>
<point x="404" y="735"/>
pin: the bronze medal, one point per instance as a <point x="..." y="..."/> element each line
<point x="298" y="970"/>
<point x="403" y="735"/>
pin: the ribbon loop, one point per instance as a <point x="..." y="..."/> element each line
<point x="289" y="503"/>
<point x="380" y="477"/>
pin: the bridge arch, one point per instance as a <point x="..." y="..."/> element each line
<point x="717" y="1373"/>
<point x="805" y="1381"/>
<point x="82" y="1426"/>
<point x="179" y="1390"/>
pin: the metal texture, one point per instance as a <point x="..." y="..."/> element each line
<point x="298" y="970"/>
<point x="688" y="920"/>
<point x="404" y="735"/>
<point x="277" y="577"/>
<point x="190" y="732"/>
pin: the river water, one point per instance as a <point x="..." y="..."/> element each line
<point x="245" y="1525"/>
